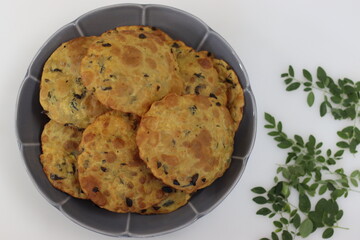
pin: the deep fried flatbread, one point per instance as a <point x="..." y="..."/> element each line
<point x="110" y="170"/>
<point x="186" y="141"/>
<point x="130" y="69"/>
<point x="59" y="151"/>
<point x="62" y="94"/>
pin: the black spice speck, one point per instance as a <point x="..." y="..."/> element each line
<point x="142" y="36"/>
<point x="168" y="203"/>
<point x="198" y="88"/>
<point x="203" y="179"/>
<point x="193" y="109"/>
<point x="175" y="182"/>
<point x="158" y="164"/>
<point x="218" y="104"/>
<point x="194" y="178"/>
<point x="95" y="189"/>
<point x="55" y="177"/>
<point x="229" y="81"/>
<point x="167" y="189"/>
<point x="56" y="70"/>
<point x="213" y="95"/>
<point x="104" y="169"/>
<point x="199" y="75"/>
<point x="129" y="202"/>
<point x="106" y="45"/>
<point x="106" y="88"/>
<point x="156" y="208"/>
<point x="175" y="45"/>
<point x="73" y="104"/>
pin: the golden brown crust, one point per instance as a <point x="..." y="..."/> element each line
<point x="130" y="69"/>
<point x="59" y="151"/>
<point x="235" y="94"/>
<point x="186" y="141"/>
<point x="62" y="93"/>
<point x="110" y="170"/>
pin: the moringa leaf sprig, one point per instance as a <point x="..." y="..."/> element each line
<point x="341" y="98"/>
<point x="308" y="171"/>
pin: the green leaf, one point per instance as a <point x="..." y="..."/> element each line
<point x="296" y="221"/>
<point x="310" y="99"/>
<point x="293" y="86"/>
<point x="288" y="80"/>
<point x="304" y="203"/>
<point x="264" y="239"/>
<point x="342" y="144"/>
<point x="263" y="211"/>
<point x="299" y="140"/>
<point x="284" y="220"/>
<point x="357" y="133"/>
<point x="355" y="173"/>
<point x="284" y="75"/>
<point x="285" y="144"/>
<point x="354" y="182"/>
<point x="343" y="135"/>
<point x="278" y="224"/>
<point x="328" y="233"/>
<point x="321" y="74"/>
<point x="291" y="71"/>
<point x="273" y="133"/>
<point x="352" y="146"/>
<point x="323" y="109"/>
<point x="337" y="193"/>
<point x="306" y="228"/>
<point x="339" y="215"/>
<point x="274" y="236"/>
<point x="270" y="118"/>
<point x="322" y="189"/>
<point x="260" y="200"/>
<point x="258" y="190"/>
<point x="336" y="99"/>
<point x="339" y="153"/>
<point x="307" y="75"/>
<point x="286" y="235"/>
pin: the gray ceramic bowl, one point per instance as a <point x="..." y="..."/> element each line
<point x="30" y="121"/>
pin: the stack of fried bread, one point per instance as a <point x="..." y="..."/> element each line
<point x="139" y="121"/>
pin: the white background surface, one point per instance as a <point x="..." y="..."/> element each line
<point x="268" y="35"/>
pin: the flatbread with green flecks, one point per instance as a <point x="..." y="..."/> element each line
<point x="130" y="69"/>
<point x="59" y="151"/>
<point x="186" y="141"/>
<point x="110" y="170"/>
<point x="62" y="93"/>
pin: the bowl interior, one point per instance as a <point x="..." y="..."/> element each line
<point x="30" y="120"/>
